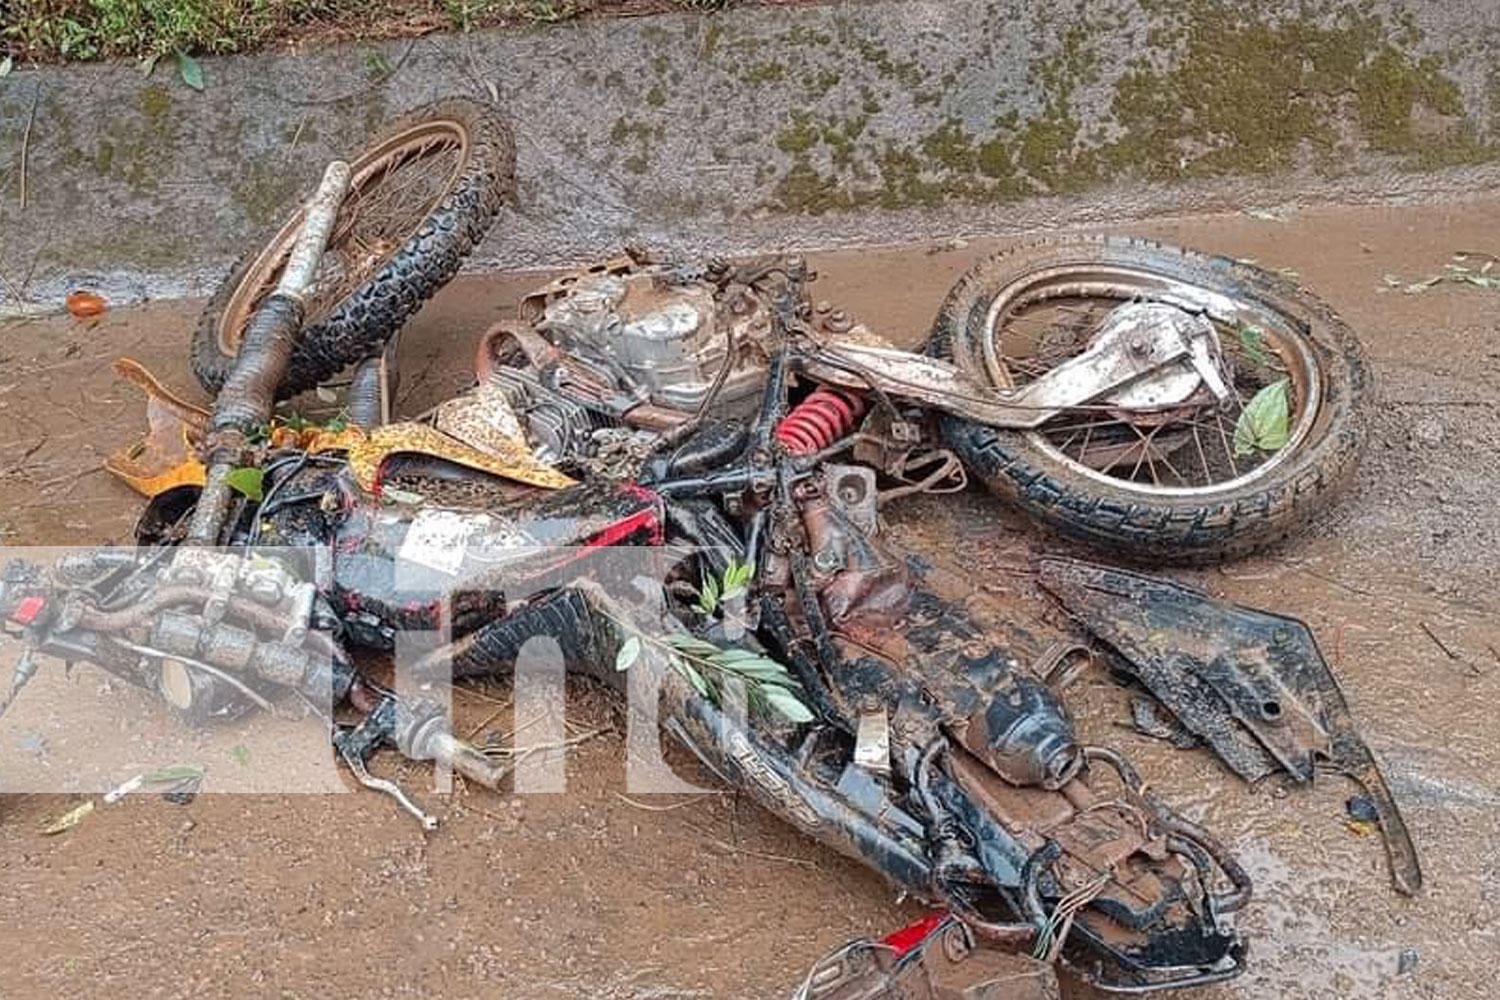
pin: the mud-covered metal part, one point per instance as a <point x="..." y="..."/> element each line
<point x="1251" y="684"/>
<point x="420" y="730"/>
<point x="989" y="761"/>
<point x="935" y="958"/>
<point x="1147" y="355"/>
<point x="372" y="390"/>
<point x="241" y="650"/>
<point x="355" y="744"/>
<point x="662" y="333"/>
<point x="556" y="424"/>
<point x="249" y="393"/>
<point x="1025" y="735"/>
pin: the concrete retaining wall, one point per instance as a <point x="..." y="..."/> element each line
<point x="773" y="126"/>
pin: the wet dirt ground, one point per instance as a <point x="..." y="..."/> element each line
<point x="590" y="893"/>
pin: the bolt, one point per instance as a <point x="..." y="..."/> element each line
<point x="1138" y="346"/>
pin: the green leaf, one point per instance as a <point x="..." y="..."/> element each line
<point x="690" y="644"/>
<point x="247" y="480"/>
<point x="753" y="666"/>
<point x="1253" y="340"/>
<point x="737" y="576"/>
<point x="787" y="704"/>
<point x="1262" y="425"/>
<point x="191" y="72"/>
<point x="175" y="773"/>
<point x="708" y="596"/>
<point x="725" y="657"/>
<point x="6" y="65"/>
<point x="241" y="755"/>
<point x="337" y="425"/>
<point x="694" y="678"/>
<point x="630" y="651"/>
<point x="767" y="672"/>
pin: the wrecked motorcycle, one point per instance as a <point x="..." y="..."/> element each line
<point x="879" y="715"/>
<point x="715" y="411"/>
<point x="1149" y="400"/>
<point x="885" y="718"/>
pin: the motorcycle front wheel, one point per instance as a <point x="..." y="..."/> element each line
<point x="422" y="194"/>
<point x="1201" y="481"/>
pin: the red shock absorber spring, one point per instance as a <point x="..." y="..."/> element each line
<point x="819" y="420"/>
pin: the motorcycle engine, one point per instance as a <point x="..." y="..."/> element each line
<point x="661" y="332"/>
<point x="557" y="426"/>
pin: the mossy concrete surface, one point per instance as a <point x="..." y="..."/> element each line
<point x="771" y="126"/>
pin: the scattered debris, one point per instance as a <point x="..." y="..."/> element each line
<point x="1362" y="809"/>
<point x="1447" y="650"/>
<point x="1285" y="272"/>
<point x="69" y="819"/>
<point x="1461" y="271"/>
<point x="123" y="789"/>
<point x="85" y="305"/>
<point x="182" y="778"/>
<point x="1265" y="214"/>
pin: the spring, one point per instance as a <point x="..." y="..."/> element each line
<point x="819" y="420"/>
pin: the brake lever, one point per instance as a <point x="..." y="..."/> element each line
<point x="355" y="744"/>
<point x="364" y="777"/>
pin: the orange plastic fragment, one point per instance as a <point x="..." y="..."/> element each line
<point x="516" y="463"/>
<point x="168" y="456"/>
<point x="85" y="304"/>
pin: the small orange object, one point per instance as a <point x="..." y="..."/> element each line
<point x="85" y="304"/>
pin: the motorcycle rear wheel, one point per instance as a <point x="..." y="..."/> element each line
<point x="1168" y="511"/>
<point x="422" y="194"/>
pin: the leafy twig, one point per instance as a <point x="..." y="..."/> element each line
<point x="707" y="666"/>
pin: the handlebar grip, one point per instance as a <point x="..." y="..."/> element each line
<point x="467" y="760"/>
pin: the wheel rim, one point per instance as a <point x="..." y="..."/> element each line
<point x="393" y="188"/>
<point x="1186" y="453"/>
